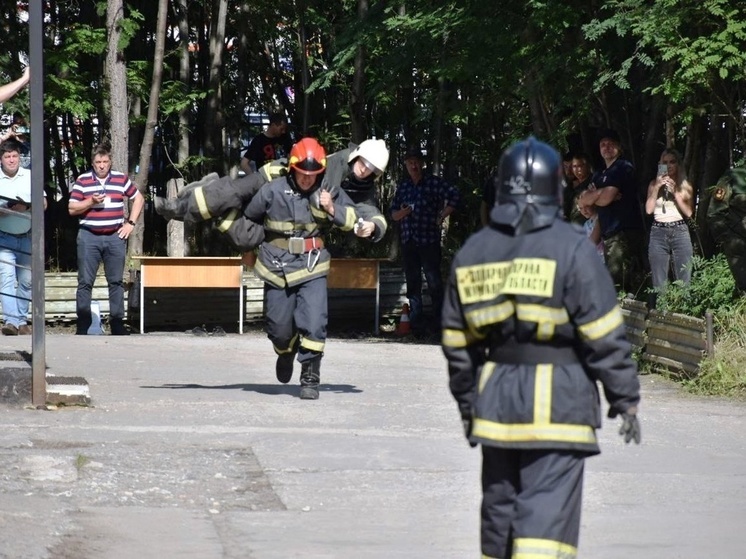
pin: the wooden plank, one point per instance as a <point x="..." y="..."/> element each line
<point x="675" y="319"/>
<point x="177" y="272"/>
<point x="353" y="273"/>
<point x="693" y="338"/>
<point x="663" y="348"/>
<point x="671" y="364"/>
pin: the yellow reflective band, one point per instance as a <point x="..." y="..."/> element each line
<point x="199" y="197"/>
<point x="543" y="395"/>
<point x="459" y="338"/>
<point x="285" y="226"/>
<point x="312" y="345"/>
<point x="479" y="318"/>
<point x="303" y="273"/>
<point x="488" y="557"/>
<point x="541" y="313"/>
<point x="350" y="219"/>
<point x="319" y="213"/>
<point x="484" y="376"/>
<point x="381" y="222"/>
<point x="531" y="432"/>
<point x="603" y="326"/>
<point x="288" y="349"/>
<point x="520" y="276"/>
<point x="227" y="222"/>
<point x="535" y="548"/>
<point x="279" y="226"/>
<point x="265" y="275"/>
<point x="547" y="318"/>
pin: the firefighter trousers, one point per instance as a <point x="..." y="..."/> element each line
<point x="531" y="502"/>
<point x="297" y="317"/>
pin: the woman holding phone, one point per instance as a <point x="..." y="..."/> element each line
<point x="671" y="203"/>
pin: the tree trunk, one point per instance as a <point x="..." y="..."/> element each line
<point x="134" y="246"/>
<point x="175" y="243"/>
<point x="116" y="81"/>
<point x="214" y="115"/>
<point x="357" y="95"/>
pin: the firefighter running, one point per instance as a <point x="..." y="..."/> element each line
<point x="530" y="324"/>
<point x="293" y="262"/>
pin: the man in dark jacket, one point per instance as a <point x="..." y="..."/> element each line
<point x="530" y="325"/>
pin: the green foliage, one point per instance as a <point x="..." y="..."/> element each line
<point x="712" y="288"/>
<point x="723" y="374"/>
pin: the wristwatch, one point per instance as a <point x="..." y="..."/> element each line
<point x="131" y="222"/>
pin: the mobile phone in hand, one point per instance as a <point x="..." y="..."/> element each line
<point x="662" y="170"/>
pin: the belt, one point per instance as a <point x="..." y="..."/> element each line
<point x="298" y="245"/>
<point x="532" y="353"/>
<point x="669" y="223"/>
<point x="17" y="235"/>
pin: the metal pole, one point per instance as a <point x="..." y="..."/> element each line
<point x="710" y="335"/>
<point x="36" y="94"/>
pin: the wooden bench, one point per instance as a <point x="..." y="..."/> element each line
<point x="175" y="308"/>
<point x="174" y="272"/>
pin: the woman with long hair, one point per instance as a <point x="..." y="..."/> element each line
<point x="671" y="202"/>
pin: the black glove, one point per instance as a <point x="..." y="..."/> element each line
<point x="630" y="428"/>
<point x="466" y="421"/>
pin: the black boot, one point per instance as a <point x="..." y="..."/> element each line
<point x="310" y="375"/>
<point x="284" y="367"/>
<point x="83" y="323"/>
<point x="118" y="328"/>
<point x="169" y="208"/>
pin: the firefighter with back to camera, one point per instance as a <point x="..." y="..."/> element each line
<point x="296" y="210"/>
<point x="530" y="325"/>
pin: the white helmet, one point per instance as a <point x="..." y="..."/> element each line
<point x="374" y="152"/>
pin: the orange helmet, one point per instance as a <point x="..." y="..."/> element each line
<point x="308" y="157"/>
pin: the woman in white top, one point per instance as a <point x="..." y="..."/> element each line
<point x="670" y="201"/>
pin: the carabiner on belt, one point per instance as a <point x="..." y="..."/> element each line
<point x="313" y="258"/>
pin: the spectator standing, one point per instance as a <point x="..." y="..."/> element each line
<point x="531" y="324"/>
<point x="614" y="193"/>
<point x="8" y="90"/>
<point x="671" y="203"/>
<point x="15" y="240"/>
<point x="274" y="143"/>
<point x="581" y="169"/>
<point x="19" y="132"/>
<point x="98" y="199"/>
<point x="421" y="203"/>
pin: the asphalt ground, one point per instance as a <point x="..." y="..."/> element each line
<point x="191" y="449"/>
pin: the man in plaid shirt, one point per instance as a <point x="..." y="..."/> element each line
<point x="420" y="205"/>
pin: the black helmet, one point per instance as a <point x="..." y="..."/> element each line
<point x="530" y="171"/>
<point x="528" y="186"/>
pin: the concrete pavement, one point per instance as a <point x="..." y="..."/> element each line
<point x="192" y="449"/>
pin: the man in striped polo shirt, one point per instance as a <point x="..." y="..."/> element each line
<point x="97" y="198"/>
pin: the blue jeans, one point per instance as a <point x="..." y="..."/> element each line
<point x="15" y="267"/>
<point x="669" y="244"/>
<point x="419" y="259"/>
<point x="92" y="251"/>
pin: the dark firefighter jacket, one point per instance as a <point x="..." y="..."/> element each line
<point x="530" y="324"/>
<point x="285" y="212"/>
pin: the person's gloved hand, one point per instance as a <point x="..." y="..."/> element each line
<point x="630" y="428"/>
<point x="467" y="424"/>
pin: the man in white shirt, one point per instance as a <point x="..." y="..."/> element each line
<point x="15" y="240"/>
